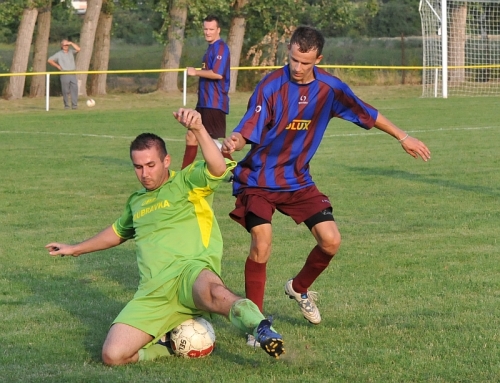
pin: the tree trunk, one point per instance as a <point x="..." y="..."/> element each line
<point x="100" y="58"/>
<point x="87" y="36"/>
<point x="37" y="88"/>
<point x="456" y="43"/>
<point x="235" y="40"/>
<point x="15" y="88"/>
<point x="167" y="81"/>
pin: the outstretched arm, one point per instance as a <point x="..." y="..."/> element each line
<point x="191" y="119"/>
<point x="104" y="240"/>
<point x="411" y="145"/>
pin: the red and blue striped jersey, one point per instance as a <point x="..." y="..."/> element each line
<point x="285" y="123"/>
<point x="214" y="94"/>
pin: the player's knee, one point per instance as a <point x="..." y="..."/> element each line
<point x="330" y="243"/>
<point x="112" y="356"/>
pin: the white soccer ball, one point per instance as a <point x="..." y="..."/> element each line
<point x="90" y="103"/>
<point x="193" y="338"/>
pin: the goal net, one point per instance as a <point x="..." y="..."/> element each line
<point x="461" y="43"/>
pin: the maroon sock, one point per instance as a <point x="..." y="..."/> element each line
<point x="189" y="155"/>
<point x="255" y="282"/>
<point x="316" y="262"/>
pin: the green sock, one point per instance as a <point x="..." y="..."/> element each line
<point x="152" y="352"/>
<point x="245" y="315"/>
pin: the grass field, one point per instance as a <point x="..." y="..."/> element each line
<point x="412" y="296"/>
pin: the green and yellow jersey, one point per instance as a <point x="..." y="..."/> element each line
<point x="174" y="229"/>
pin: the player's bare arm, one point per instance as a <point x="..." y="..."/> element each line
<point x="411" y="145"/>
<point x="206" y="73"/>
<point x="233" y="143"/>
<point x="101" y="241"/>
<point x="191" y="119"/>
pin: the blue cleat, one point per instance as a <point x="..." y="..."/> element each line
<point x="270" y="341"/>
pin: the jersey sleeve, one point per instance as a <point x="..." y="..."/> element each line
<point x="124" y="226"/>
<point x="350" y="107"/>
<point x="198" y="175"/>
<point x="257" y="117"/>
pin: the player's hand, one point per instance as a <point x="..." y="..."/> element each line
<point x="229" y="144"/>
<point x="191" y="71"/>
<point x="189" y="118"/>
<point x="60" y="249"/>
<point x="416" y="148"/>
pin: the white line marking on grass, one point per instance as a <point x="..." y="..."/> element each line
<point x="83" y="135"/>
<point x="413" y="131"/>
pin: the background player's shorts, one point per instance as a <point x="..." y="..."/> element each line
<point x="214" y="121"/>
<point x="299" y="205"/>
<point x="161" y="310"/>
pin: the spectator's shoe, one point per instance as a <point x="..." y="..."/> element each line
<point x="306" y="303"/>
<point x="270" y="341"/>
<point x="165" y="341"/>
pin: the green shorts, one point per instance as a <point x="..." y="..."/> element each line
<point x="161" y="310"/>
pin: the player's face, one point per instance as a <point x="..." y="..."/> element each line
<point x="211" y="31"/>
<point x="301" y="64"/>
<point x="150" y="170"/>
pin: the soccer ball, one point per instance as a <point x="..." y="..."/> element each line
<point x="193" y="338"/>
<point x="90" y="103"/>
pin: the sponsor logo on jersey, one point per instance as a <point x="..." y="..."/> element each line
<point x="219" y="57"/>
<point x="298" y="125"/>
<point x="258" y="108"/>
<point x="159" y="205"/>
<point x="303" y="100"/>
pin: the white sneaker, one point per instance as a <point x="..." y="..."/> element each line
<point x="306" y="303"/>
<point x="252" y="342"/>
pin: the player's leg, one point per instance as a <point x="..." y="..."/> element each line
<point x="256" y="263"/>
<point x="123" y="343"/>
<point x="210" y="294"/>
<point x="314" y="209"/>
<point x="191" y="149"/>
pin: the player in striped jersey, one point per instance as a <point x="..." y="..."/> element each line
<point x="286" y="118"/>
<point x="213" y="89"/>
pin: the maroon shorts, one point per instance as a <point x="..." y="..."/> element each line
<point x="299" y="205"/>
<point x="214" y="121"/>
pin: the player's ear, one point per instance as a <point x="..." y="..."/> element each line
<point x="166" y="161"/>
<point x="318" y="59"/>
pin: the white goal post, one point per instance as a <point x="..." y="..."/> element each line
<point x="461" y="43"/>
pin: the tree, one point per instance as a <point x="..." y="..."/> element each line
<point x="15" y="87"/>
<point x="167" y="81"/>
<point x="456" y="42"/>
<point x="235" y="38"/>
<point x="37" y="87"/>
<point x="87" y="37"/>
<point x="100" y="57"/>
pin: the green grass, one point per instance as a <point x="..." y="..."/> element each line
<point x="412" y="295"/>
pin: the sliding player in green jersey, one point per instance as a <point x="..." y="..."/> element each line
<point x="179" y="250"/>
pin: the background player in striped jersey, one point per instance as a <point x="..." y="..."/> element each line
<point x="213" y="88"/>
<point x="178" y="249"/>
<point x="286" y="118"/>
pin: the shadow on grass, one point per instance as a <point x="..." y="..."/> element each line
<point x="400" y="174"/>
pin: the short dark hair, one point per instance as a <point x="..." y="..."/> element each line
<point x="212" y="18"/>
<point x="308" y="39"/>
<point x="147" y="141"/>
